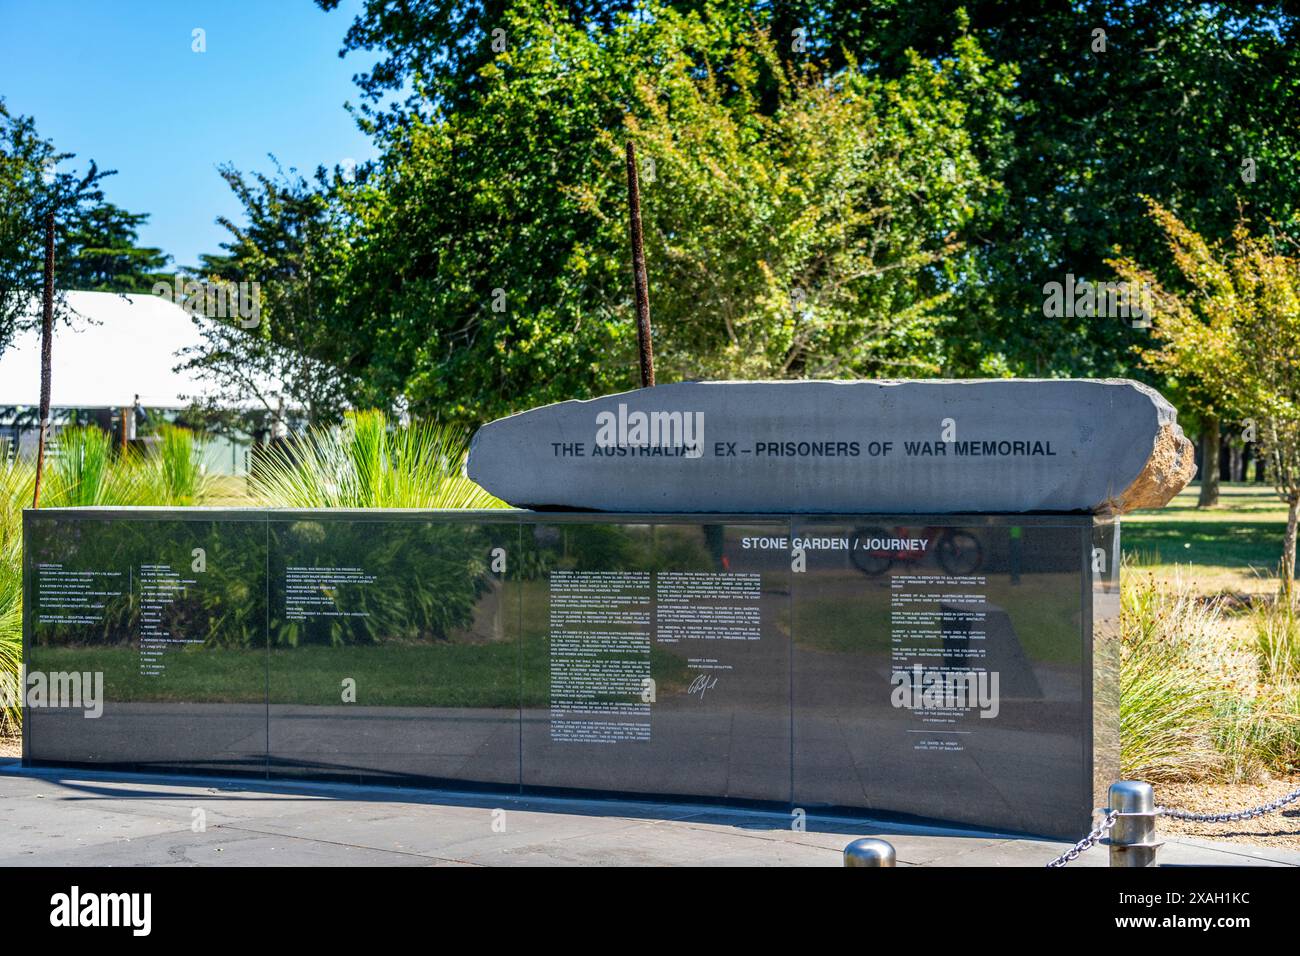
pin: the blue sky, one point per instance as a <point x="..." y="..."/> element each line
<point x="117" y="81"/>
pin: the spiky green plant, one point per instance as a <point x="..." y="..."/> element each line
<point x="1277" y="634"/>
<point x="78" y="473"/>
<point x="16" y="480"/>
<point x="86" y="472"/>
<point x="369" y="463"/>
<point x="176" y="468"/>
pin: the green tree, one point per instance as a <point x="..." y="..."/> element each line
<point x="32" y="187"/>
<point x="812" y="235"/>
<point x="1169" y="100"/>
<point x="1191" y="104"/>
<point x="290" y="254"/>
<point x="1197" y="346"/>
<point x="95" y="241"/>
<point x="432" y="52"/>
<point x="101" y="254"/>
<point x="1266" y="273"/>
<point x="1231" y="332"/>
<point x="819" y="239"/>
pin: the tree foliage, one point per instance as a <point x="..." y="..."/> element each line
<point x="291" y="253"/>
<point x="101" y="253"/>
<point x="800" y="220"/>
<point x="1170" y="101"/>
<point x="815" y="240"/>
<point x="1196" y="330"/>
<point x="1191" y="104"/>
<point x="31" y="188"/>
<point x="1230" y="330"/>
<point x="829" y="189"/>
<point x="95" y="241"/>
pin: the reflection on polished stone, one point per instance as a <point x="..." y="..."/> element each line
<point x="932" y="666"/>
<point x="393" y="650"/>
<point x="172" y="613"/>
<point x="690" y="630"/>
<point x="945" y="685"/>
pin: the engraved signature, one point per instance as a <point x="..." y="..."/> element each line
<point x="701" y="685"/>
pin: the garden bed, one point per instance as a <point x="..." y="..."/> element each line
<point x="1281" y="829"/>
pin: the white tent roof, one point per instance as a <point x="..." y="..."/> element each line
<point x="119" y="347"/>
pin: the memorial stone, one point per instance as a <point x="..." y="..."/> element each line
<point x="941" y="447"/>
<point x="955" y="662"/>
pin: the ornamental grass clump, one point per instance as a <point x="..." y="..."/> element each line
<point x="175" y="471"/>
<point x="1169" y="695"/>
<point x="16" y="481"/>
<point x="368" y="462"/>
<point x="1206" y="694"/>
<point x="83" y="469"/>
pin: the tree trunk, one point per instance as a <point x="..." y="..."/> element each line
<point x="1209" y="465"/>
<point x="1287" y="570"/>
<point x="640" y="283"/>
<point x="47" y="337"/>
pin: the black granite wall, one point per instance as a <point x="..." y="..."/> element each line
<point x="938" y="667"/>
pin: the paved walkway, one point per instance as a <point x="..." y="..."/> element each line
<point x="86" y="818"/>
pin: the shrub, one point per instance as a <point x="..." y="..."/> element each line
<point x="369" y="463"/>
<point x="1205" y="695"/>
<point x="176" y="472"/>
<point x="16" y="479"/>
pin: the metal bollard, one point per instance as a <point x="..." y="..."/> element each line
<point x="869" y="852"/>
<point x="1132" y="840"/>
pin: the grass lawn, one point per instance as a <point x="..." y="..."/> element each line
<point x="1044" y="607"/>
<point x="1231" y="548"/>
<point x="425" y="675"/>
<point x="440" y="674"/>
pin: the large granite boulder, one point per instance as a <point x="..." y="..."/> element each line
<point x="1043" y="445"/>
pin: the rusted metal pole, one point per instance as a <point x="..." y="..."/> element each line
<point x="638" y="272"/>
<point x="47" y="336"/>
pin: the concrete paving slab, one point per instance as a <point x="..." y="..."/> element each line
<point x="101" y="818"/>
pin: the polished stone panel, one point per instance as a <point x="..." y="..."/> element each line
<point x="168" y="614"/>
<point x="947" y="680"/>
<point x="656" y="658"/>
<point x="951" y="667"/>
<point x="394" y="648"/>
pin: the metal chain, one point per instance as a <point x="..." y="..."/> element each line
<point x="1091" y="840"/>
<point x="1110" y="816"/>
<point x="1248" y="814"/>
